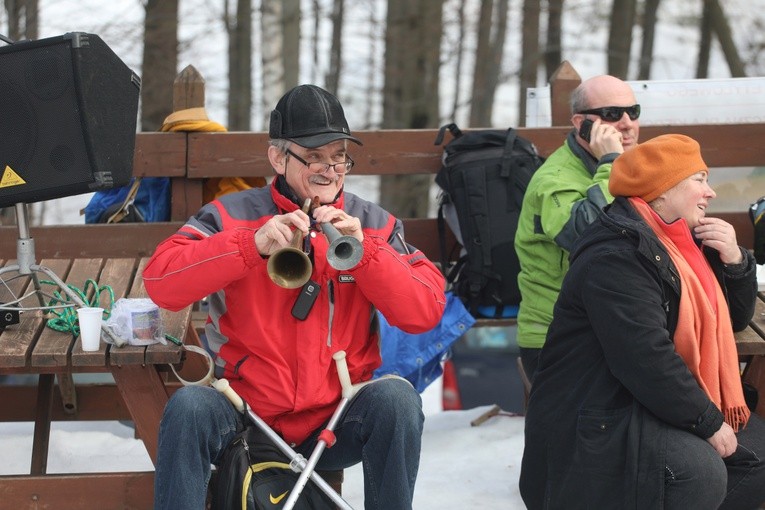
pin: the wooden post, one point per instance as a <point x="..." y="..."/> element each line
<point x="562" y="83"/>
<point x="188" y="89"/>
<point x="186" y="194"/>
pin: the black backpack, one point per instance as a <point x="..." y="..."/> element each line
<point x="483" y="179"/>
<point x="253" y="466"/>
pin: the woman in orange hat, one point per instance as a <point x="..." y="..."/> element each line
<point x="638" y="401"/>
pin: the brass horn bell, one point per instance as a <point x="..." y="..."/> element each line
<point x="290" y="267"/>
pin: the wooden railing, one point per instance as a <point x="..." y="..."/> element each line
<point x="191" y="158"/>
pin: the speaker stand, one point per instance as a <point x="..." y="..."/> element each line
<point x="26" y="265"/>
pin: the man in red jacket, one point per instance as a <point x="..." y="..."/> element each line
<point x="275" y="347"/>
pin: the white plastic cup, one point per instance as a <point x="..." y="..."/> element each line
<point x="90" y="327"/>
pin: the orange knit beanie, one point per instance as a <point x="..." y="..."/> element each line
<point x="652" y="167"/>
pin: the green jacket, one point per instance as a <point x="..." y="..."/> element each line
<point x="565" y="195"/>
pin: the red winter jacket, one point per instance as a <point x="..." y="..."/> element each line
<point x="280" y="365"/>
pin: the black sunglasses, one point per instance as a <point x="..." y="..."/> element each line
<point x="615" y="113"/>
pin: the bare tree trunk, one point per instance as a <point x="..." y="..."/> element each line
<point x="620" y="37"/>
<point x="31" y="13"/>
<point x="529" y="54"/>
<point x="459" y="59"/>
<point x="13" y="7"/>
<point x="410" y="96"/>
<point x="488" y="60"/>
<point x="291" y="56"/>
<point x="336" y="50"/>
<point x="315" y="40"/>
<point x="553" y="49"/>
<point x="724" y="35"/>
<point x="649" y="30"/>
<point x="280" y="49"/>
<point x="705" y="41"/>
<point x="483" y="35"/>
<point x="22" y="19"/>
<point x="239" y="32"/>
<point x="160" y="62"/>
<point x="271" y="45"/>
<point x="371" y="93"/>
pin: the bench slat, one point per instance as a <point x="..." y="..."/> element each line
<point x="19" y="341"/>
<point x="53" y="347"/>
<point x="131" y="354"/>
<point x="411" y="151"/>
<point x="177" y="322"/>
<point x="16" y="341"/>
<point x="117" y="274"/>
<point x="104" y="491"/>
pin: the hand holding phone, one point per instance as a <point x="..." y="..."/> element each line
<point x="584" y="129"/>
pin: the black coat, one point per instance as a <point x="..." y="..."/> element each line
<point x="609" y="379"/>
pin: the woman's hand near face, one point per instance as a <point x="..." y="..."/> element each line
<point x="721" y="236"/>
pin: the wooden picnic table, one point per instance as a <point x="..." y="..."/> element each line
<point x="140" y="379"/>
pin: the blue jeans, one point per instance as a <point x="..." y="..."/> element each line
<point x="697" y="477"/>
<point x="382" y="428"/>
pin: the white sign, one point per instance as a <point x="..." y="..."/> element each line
<point x="719" y="101"/>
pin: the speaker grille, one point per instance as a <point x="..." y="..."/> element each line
<point x="18" y="129"/>
<point x="69" y="117"/>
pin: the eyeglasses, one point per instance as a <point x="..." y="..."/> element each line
<point x="615" y="113"/>
<point x="341" y="168"/>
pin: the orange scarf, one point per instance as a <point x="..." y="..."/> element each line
<point x="704" y="335"/>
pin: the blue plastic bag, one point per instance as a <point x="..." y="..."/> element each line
<point x="417" y="358"/>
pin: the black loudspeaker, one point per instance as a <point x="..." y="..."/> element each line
<point x="68" y="111"/>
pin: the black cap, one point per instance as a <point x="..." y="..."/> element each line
<point x="309" y="116"/>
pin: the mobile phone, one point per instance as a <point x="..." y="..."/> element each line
<point x="305" y="300"/>
<point x="584" y="130"/>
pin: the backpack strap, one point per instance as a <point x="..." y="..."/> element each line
<point x="442" y="239"/>
<point x="453" y="129"/>
<point x="124" y="208"/>
<point x="507" y="154"/>
<point x="479" y="217"/>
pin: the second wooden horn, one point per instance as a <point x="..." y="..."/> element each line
<point x="344" y="252"/>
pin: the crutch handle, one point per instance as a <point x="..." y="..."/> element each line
<point x="223" y="386"/>
<point x="342" y="373"/>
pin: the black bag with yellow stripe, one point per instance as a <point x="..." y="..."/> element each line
<point x="253" y="474"/>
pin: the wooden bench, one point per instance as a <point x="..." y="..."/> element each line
<point x="188" y="159"/>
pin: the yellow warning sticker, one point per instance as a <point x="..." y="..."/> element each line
<point x="11" y="178"/>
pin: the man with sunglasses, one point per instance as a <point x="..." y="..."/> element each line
<point x="564" y="196"/>
<point x="275" y="344"/>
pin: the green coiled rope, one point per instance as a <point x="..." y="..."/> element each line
<point x="65" y="319"/>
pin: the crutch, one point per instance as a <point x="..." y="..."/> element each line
<point x="326" y="436"/>
<point x="297" y="461"/>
